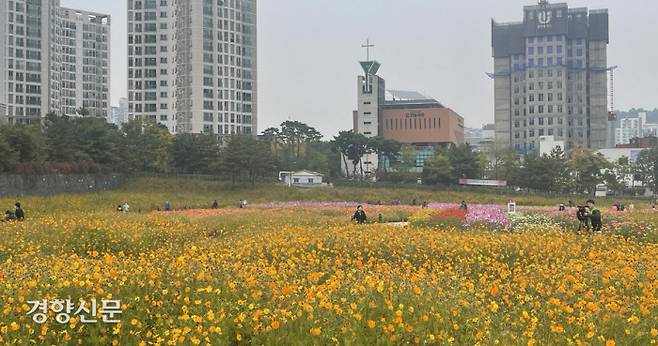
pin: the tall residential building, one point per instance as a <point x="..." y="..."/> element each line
<point x="550" y="77"/>
<point x="192" y="64"/>
<point x="628" y="129"/>
<point x="52" y="59"/>
<point x="119" y="114"/>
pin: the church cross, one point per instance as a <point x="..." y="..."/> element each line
<point x="367" y="46"/>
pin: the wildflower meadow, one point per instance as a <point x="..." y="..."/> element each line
<point x="297" y="272"/>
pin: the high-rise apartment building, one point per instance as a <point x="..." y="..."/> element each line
<point x="550" y="77"/>
<point x="628" y="129"/>
<point x="192" y="64"/>
<point x="52" y="59"/>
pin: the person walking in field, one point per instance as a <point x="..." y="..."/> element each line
<point x="360" y="215"/>
<point x="215" y="205"/>
<point x="19" y="213"/>
<point x="125" y="207"/>
<point x="168" y="206"/>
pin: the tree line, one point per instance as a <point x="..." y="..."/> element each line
<point x="65" y="145"/>
<point x="70" y="145"/>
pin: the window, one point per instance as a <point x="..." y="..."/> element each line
<point x="295" y="180"/>
<point x="540" y="50"/>
<point x="531" y="50"/>
<point x="310" y="180"/>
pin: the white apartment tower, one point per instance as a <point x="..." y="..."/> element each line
<point x="192" y="64"/>
<point x="628" y="129"/>
<point x="52" y="59"/>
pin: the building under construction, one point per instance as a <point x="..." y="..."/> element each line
<point x="550" y="77"/>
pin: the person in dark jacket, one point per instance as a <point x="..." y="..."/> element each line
<point x="360" y="215"/>
<point x="595" y="218"/>
<point x="19" y="213"/>
<point x="215" y="205"/>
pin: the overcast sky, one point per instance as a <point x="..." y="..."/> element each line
<point x="308" y="52"/>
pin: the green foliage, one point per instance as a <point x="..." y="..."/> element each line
<point x="647" y="168"/>
<point x="587" y="169"/>
<point x="8" y="157"/>
<point x="353" y="146"/>
<point x="82" y="139"/>
<point x="25" y="141"/>
<point x="245" y="158"/>
<point x="148" y="146"/>
<point x="438" y="170"/>
<point x="464" y="161"/>
<point x="195" y="153"/>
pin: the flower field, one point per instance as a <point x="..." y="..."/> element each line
<point x="298" y="273"/>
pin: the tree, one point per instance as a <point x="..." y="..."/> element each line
<point x="464" y="161"/>
<point x="271" y="135"/>
<point x="8" y="157"/>
<point x="438" y="170"/>
<point x="352" y="146"/>
<point x="497" y="155"/>
<point x="27" y="142"/>
<point x="98" y="140"/>
<point x="647" y="168"/>
<point x="147" y="146"/>
<point x="195" y="153"/>
<point x="295" y="136"/>
<point x="245" y="158"/>
<point x="343" y="145"/>
<point x="386" y="149"/>
<point x="543" y="173"/>
<point x="61" y="142"/>
<point x="359" y="147"/>
<point x="587" y="169"/>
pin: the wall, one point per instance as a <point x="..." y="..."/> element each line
<point x="449" y="125"/>
<point x="18" y="185"/>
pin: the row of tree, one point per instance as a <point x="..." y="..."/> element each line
<point x="579" y="170"/>
<point x="88" y="145"/>
<point x="82" y="144"/>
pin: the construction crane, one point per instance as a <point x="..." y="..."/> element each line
<point x="612" y="115"/>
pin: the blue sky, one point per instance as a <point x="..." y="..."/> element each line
<point x="308" y="52"/>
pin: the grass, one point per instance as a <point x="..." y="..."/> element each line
<point x="146" y="194"/>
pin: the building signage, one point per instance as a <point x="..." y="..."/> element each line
<point x="544" y="18"/>
<point x="481" y="182"/>
<point x="415" y="115"/>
